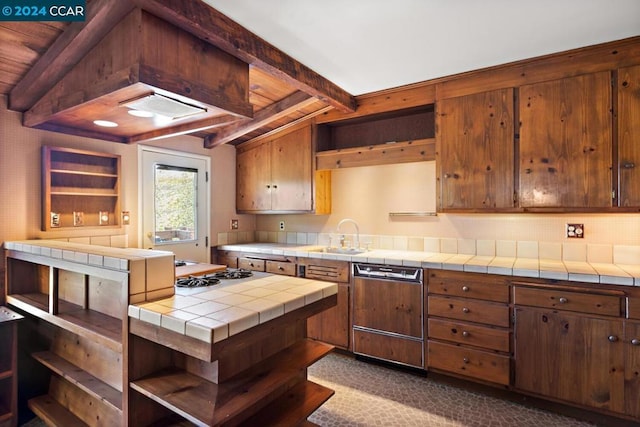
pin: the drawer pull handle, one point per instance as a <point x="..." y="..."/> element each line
<point x="635" y="341"/>
<point x="465" y="289"/>
<point x="465" y="333"/>
<point x="465" y="310"/>
<point x="612" y="338"/>
<point x="280" y="268"/>
<point x="465" y="359"/>
<point x="563" y="300"/>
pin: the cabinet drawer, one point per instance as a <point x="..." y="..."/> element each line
<point x="468" y="285"/>
<point x="251" y="264"/>
<point x="467" y="333"/>
<point x="387" y="347"/>
<point x="326" y="269"/>
<point x="606" y="305"/>
<point x="229" y="261"/>
<point x="478" y="364"/>
<point x="469" y="310"/>
<point x="284" y="268"/>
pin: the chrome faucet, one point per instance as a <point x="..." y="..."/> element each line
<point x="357" y="242"/>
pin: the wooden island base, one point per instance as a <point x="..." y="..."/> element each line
<point x="107" y="364"/>
<point x="257" y="377"/>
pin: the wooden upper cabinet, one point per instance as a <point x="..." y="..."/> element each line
<point x="475" y="150"/>
<point x="566" y="142"/>
<point x="277" y="175"/>
<point x="292" y="171"/>
<point x="253" y="176"/>
<point x="629" y="136"/>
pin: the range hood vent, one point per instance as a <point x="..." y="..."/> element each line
<point x="164" y="106"/>
<point x="146" y="64"/>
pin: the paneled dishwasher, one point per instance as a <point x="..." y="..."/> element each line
<point x="388" y="313"/>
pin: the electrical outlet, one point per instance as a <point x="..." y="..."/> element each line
<point x="281" y="225"/>
<point x="234" y="224"/>
<point x="78" y="219"/>
<point x="103" y="218"/>
<point x="575" y="231"/>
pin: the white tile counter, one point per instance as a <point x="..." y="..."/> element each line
<point x="213" y="313"/>
<point x="624" y="270"/>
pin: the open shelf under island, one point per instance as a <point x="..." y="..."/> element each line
<point x="126" y="347"/>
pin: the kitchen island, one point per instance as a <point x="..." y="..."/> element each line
<point x="119" y="355"/>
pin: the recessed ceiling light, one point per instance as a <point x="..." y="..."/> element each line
<point x="105" y="123"/>
<point x="140" y="113"/>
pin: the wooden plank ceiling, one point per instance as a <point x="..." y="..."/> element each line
<point x="36" y="55"/>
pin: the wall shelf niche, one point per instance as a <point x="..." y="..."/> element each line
<point x="401" y="136"/>
<point x="79" y="189"/>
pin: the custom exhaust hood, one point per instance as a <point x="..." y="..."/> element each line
<point x="146" y="79"/>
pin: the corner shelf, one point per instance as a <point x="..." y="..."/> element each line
<point x="79" y="181"/>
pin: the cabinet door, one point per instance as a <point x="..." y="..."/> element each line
<point x="253" y="178"/>
<point x="629" y="136"/>
<point x="632" y="369"/>
<point x="570" y="357"/>
<point x="566" y="142"/>
<point x="291" y="171"/>
<point x="476" y="150"/>
<point x="388" y="306"/>
<point x="332" y="325"/>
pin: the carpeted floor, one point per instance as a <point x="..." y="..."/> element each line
<point x="368" y="394"/>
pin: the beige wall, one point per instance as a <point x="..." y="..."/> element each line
<point x="20" y="174"/>
<point x="368" y="194"/>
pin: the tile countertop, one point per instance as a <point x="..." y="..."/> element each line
<point x="625" y="273"/>
<point x="214" y="313"/>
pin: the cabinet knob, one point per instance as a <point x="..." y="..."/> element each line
<point x="280" y="268"/>
<point x="628" y="165"/>
<point x="465" y="359"/>
<point x="612" y="338"/>
<point x="563" y="300"/>
<point x="465" y="289"/>
<point x="635" y="341"/>
<point x="465" y="310"/>
<point x="465" y="333"/>
<point x="275" y="186"/>
<point x="268" y="186"/>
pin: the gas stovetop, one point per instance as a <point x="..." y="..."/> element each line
<point x="213" y="278"/>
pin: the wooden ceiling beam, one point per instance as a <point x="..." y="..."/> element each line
<point x="275" y="111"/>
<point x="205" y="22"/>
<point x="74" y="42"/>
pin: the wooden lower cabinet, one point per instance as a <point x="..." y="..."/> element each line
<point x="571" y="357"/>
<point x="332" y="325"/>
<point x="632" y="369"/>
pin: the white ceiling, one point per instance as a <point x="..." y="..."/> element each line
<point x="369" y="45"/>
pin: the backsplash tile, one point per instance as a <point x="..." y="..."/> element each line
<point x="600" y="254"/>
<point x="550" y="250"/>
<point x="506" y="248"/>
<point x="449" y="246"/>
<point x="527" y="249"/>
<point x="574" y="252"/>
<point x="486" y="247"/>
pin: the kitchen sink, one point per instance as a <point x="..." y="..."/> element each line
<point x="345" y="251"/>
